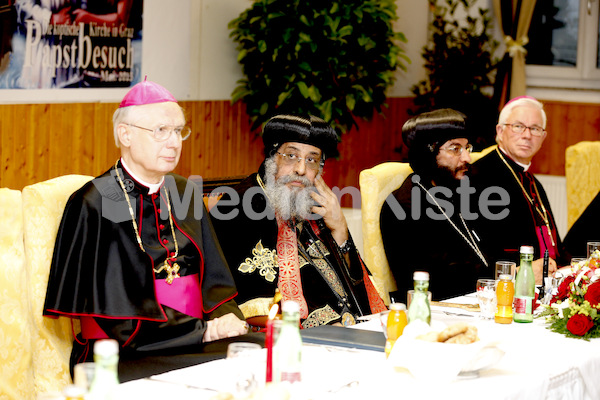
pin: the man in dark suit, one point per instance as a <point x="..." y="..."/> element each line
<point x="520" y="133"/>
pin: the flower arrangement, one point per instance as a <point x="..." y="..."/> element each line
<point x="575" y="307"/>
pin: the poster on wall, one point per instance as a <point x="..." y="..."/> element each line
<point x="55" y="44"/>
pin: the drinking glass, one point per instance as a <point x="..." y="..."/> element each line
<point x="83" y="375"/>
<point x="244" y="358"/>
<point x="411" y="293"/>
<point x="505" y="268"/>
<point x="591" y="246"/>
<point x="577" y="260"/>
<point x="486" y="296"/>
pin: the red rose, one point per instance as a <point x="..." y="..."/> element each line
<point x="563" y="289"/>
<point x="593" y="294"/>
<point x="579" y="324"/>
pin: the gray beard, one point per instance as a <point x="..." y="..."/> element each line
<point x="288" y="203"/>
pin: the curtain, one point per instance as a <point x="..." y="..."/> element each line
<point x="514" y="17"/>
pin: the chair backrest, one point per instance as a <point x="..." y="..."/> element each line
<point x="478" y="154"/>
<point x="16" y="372"/>
<point x="52" y="339"/>
<point x="376" y="184"/>
<point x="582" y="171"/>
<point x="209" y="186"/>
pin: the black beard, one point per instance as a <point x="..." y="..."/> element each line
<point x="445" y="177"/>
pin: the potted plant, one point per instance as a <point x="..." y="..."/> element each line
<point x="333" y="59"/>
<point x="460" y="64"/>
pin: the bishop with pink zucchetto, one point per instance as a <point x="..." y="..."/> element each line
<point x="520" y="133"/>
<point x="133" y="260"/>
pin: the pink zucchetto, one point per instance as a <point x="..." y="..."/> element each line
<point x="519" y="98"/>
<point x="146" y="92"/>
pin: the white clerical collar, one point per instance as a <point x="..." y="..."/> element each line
<point x="152" y="187"/>
<point x="524" y="166"/>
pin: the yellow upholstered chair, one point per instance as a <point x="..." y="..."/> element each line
<point x="582" y="171"/>
<point x="478" y="154"/>
<point x="52" y="339"/>
<point x="16" y="374"/>
<point x="376" y="184"/>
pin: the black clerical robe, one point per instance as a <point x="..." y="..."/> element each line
<point x="584" y="230"/>
<point x="334" y="290"/>
<point x="101" y="274"/>
<point x="523" y="226"/>
<point x="418" y="237"/>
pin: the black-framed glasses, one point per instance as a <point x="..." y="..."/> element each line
<point x="164" y="132"/>
<point x="520" y="128"/>
<point x="310" y="162"/>
<point x="457" y="149"/>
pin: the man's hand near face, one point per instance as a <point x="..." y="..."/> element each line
<point x="330" y="210"/>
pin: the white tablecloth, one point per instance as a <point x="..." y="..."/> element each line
<point x="537" y="364"/>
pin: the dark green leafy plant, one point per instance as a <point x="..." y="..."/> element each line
<point x="460" y="66"/>
<point x="333" y="59"/>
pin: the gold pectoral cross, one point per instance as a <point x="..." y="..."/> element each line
<point x="172" y="271"/>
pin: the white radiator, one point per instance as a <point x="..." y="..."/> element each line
<point x="556" y="189"/>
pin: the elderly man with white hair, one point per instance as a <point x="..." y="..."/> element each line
<point x="129" y="262"/>
<point x="520" y="133"/>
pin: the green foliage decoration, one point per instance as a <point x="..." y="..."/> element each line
<point x="333" y="59"/>
<point x="460" y="63"/>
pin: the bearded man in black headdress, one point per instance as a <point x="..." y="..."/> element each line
<point x="422" y="223"/>
<point x="283" y="229"/>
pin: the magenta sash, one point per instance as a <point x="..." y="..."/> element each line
<point x="183" y="295"/>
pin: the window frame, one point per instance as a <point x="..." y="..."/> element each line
<point x="586" y="75"/>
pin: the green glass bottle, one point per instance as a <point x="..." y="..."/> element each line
<point x="419" y="308"/>
<point x="524" y="287"/>
<point x="106" y="378"/>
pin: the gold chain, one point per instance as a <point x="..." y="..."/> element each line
<point x="470" y="242"/>
<point x="172" y="270"/>
<point x="543" y="213"/>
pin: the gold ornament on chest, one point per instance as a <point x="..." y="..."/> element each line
<point x="264" y="261"/>
<point x="172" y="271"/>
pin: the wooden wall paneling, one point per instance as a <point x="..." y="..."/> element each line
<point x="98" y="132"/>
<point x="568" y="123"/>
<point x="36" y="163"/>
<point x="7" y="143"/>
<point x="204" y="149"/>
<point x="41" y="141"/>
<point x="83" y="144"/>
<point x="557" y="123"/>
<point x="63" y="151"/>
<point x="241" y="138"/>
<point x="6" y="120"/>
<point x="194" y="157"/>
<point x="183" y="168"/>
<point x="207" y="139"/>
<point x="192" y="142"/>
<point x="23" y="150"/>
